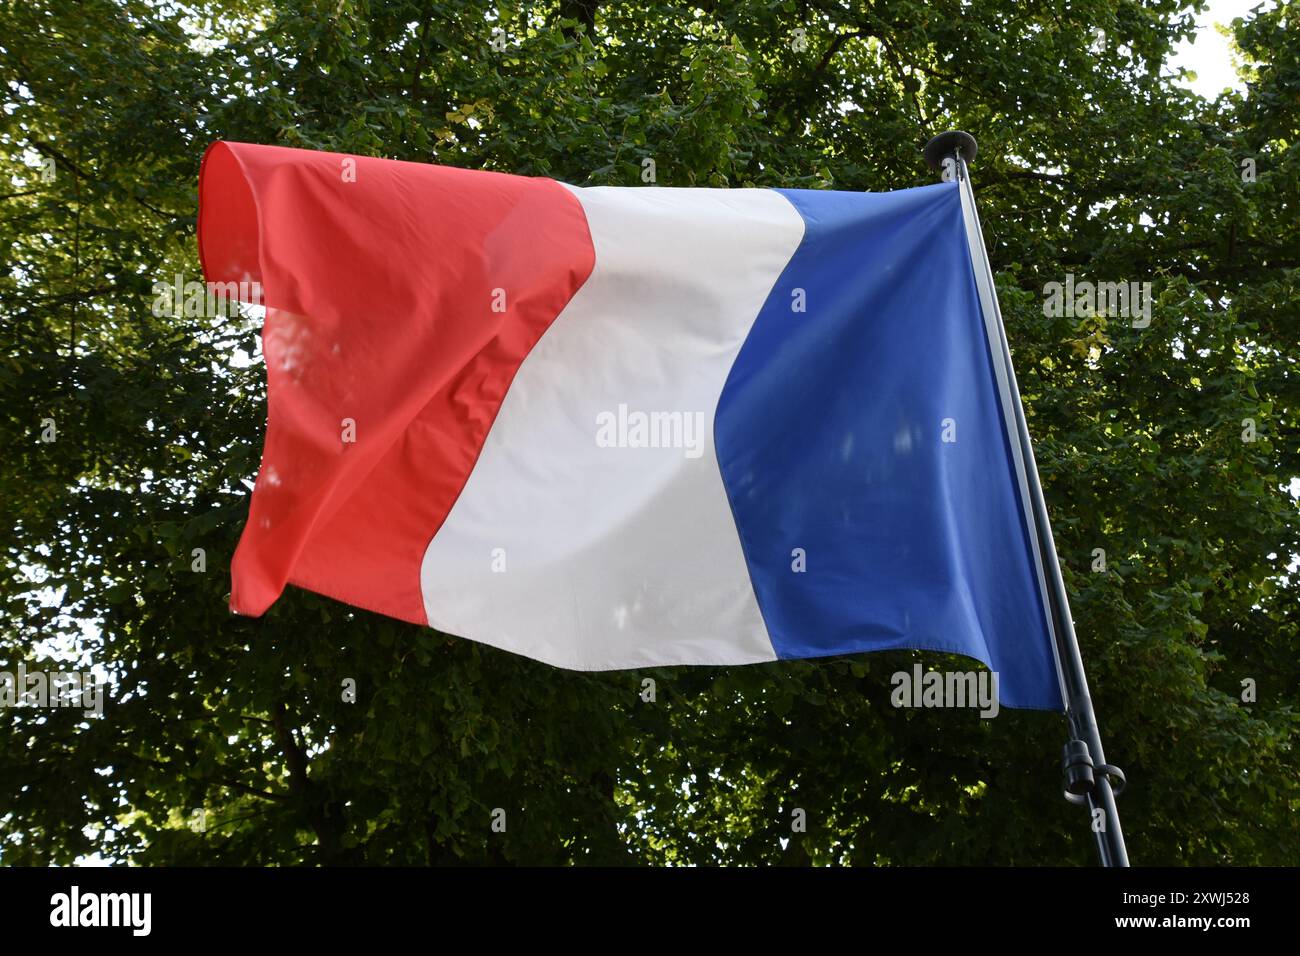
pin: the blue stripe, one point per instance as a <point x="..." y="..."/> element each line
<point x="829" y="434"/>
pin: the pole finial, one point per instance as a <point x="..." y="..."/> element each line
<point x="945" y="144"/>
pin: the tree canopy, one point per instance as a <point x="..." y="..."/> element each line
<point x="131" y="438"/>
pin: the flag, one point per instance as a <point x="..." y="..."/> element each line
<point x="616" y="427"/>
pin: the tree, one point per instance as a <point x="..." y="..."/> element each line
<point x="1093" y="162"/>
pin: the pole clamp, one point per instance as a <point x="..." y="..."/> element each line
<point x="1081" y="773"/>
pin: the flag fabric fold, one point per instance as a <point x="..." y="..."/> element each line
<point x="624" y="427"/>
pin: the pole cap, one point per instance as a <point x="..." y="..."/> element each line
<point x="945" y="144"/>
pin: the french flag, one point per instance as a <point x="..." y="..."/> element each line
<point x="628" y="427"/>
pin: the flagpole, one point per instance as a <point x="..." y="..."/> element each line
<point x="1090" y="781"/>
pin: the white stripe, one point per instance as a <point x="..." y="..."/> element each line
<point x="620" y="557"/>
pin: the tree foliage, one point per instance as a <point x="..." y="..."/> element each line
<point x="1093" y="161"/>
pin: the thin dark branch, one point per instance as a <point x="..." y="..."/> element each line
<point x="835" y="44"/>
<point x="43" y="147"/>
<point x="253" y="791"/>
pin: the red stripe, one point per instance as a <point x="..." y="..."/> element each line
<point x="379" y="281"/>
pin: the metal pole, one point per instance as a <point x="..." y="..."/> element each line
<point x="1089" y="779"/>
